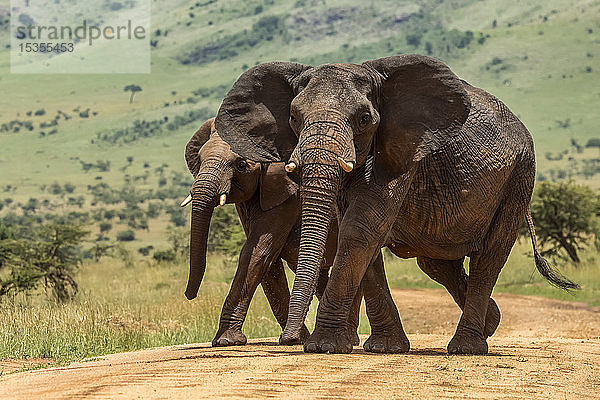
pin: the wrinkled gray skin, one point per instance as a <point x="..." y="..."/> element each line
<point x="268" y="206"/>
<point x="442" y="171"/>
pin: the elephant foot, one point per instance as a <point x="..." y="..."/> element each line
<point x="492" y="318"/>
<point x="230" y="337"/>
<point x="386" y="343"/>
<point x="288" y="338"/>
<point x="467" y="341"/>
<point x="328" y="341"/>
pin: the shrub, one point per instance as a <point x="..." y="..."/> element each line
<point x="126" y="236"/>
<point x="55" y="188"/>
<point x="164" y="255"/>
<point x="105" y="227"/>
<point x="593" y="142"/>
<point x="145" y="250"/>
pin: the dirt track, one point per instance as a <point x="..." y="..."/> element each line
<point x="543" y="349"/>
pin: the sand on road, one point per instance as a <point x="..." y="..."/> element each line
<point x="544" y="349"/>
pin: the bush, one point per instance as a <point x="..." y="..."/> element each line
<point x="593" y="142"/>
<point x="105" y="227"/>
<point x="48" y="258"/>
<point x="145" y="250"/>
<point x="126" y="236"/>
<point x="164" y="255"/>
<point x="55" y="188"/>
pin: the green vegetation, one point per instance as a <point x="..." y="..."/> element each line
<point x="120" y="309"/>
<point x="49" y="258"/>
<point x="566" y="218"/>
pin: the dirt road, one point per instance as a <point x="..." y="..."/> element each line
<point x="544" y="349"/>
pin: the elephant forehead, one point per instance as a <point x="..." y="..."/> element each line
<point x="341" y="92"/>
<point x="215" y="147"/>
<point x="351" y="75"/>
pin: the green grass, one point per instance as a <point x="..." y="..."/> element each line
<point x="122" y="309"/>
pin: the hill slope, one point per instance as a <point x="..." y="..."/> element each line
<point x="541" y="58"/>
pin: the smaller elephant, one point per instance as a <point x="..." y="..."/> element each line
<point x="268" y="206"/>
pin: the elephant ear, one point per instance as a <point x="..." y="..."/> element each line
<point x="192" y="149"/>
<point x="254" y="116"/>
<point x="422" y="105"/>
<point x="275" y="185"/>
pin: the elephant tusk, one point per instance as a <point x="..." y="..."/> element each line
<point x="187" y="201"/>
<point x="290" y="167"/>
<point x="346" y="166"/>
<point x="223" y="199"/>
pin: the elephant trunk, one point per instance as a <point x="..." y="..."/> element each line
<point x="202" y="209"/>
<point x="321" y="177"/>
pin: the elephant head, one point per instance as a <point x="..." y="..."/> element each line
<point x="223" y="176"/>
<point x="397" y="109"/>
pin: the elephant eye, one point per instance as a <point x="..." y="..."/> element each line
<point x="293" y="120"/>
<point x="241" y="165"/>
<point x="365" y="119"/>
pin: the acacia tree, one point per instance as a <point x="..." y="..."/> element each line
<point x="49" y="258"/>
<point x="565" y="216"/>
<point x="133" y="89"/>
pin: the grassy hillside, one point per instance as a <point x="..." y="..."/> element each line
<point x="541" y="58"/>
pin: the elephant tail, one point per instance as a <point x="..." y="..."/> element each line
<point x="543" y="266"/>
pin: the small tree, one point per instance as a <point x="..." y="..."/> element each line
<point x="101" y="249"/>
<point x="565" y="217"/>
<point x="48" y="258"/>
<point x="133" y="89"/>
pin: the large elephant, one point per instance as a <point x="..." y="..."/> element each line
<point x="417" y="160"/>
<point x="267" y="202"/>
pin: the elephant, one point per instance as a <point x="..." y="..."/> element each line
<point x="415" y="159"/>
<point x="267" y="204"/>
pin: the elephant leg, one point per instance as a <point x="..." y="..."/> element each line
<point x="275" y="286"/>
<point x="362" y="232"/>
<point x="331" y="329"/>
<point x="322" y="282"/>
<point x="451" y="274"/>
<point x="484" y="268"/>
<point x="387" y="333"/>
<point x="255" y="258"/>
<point x="354" y="318"/>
